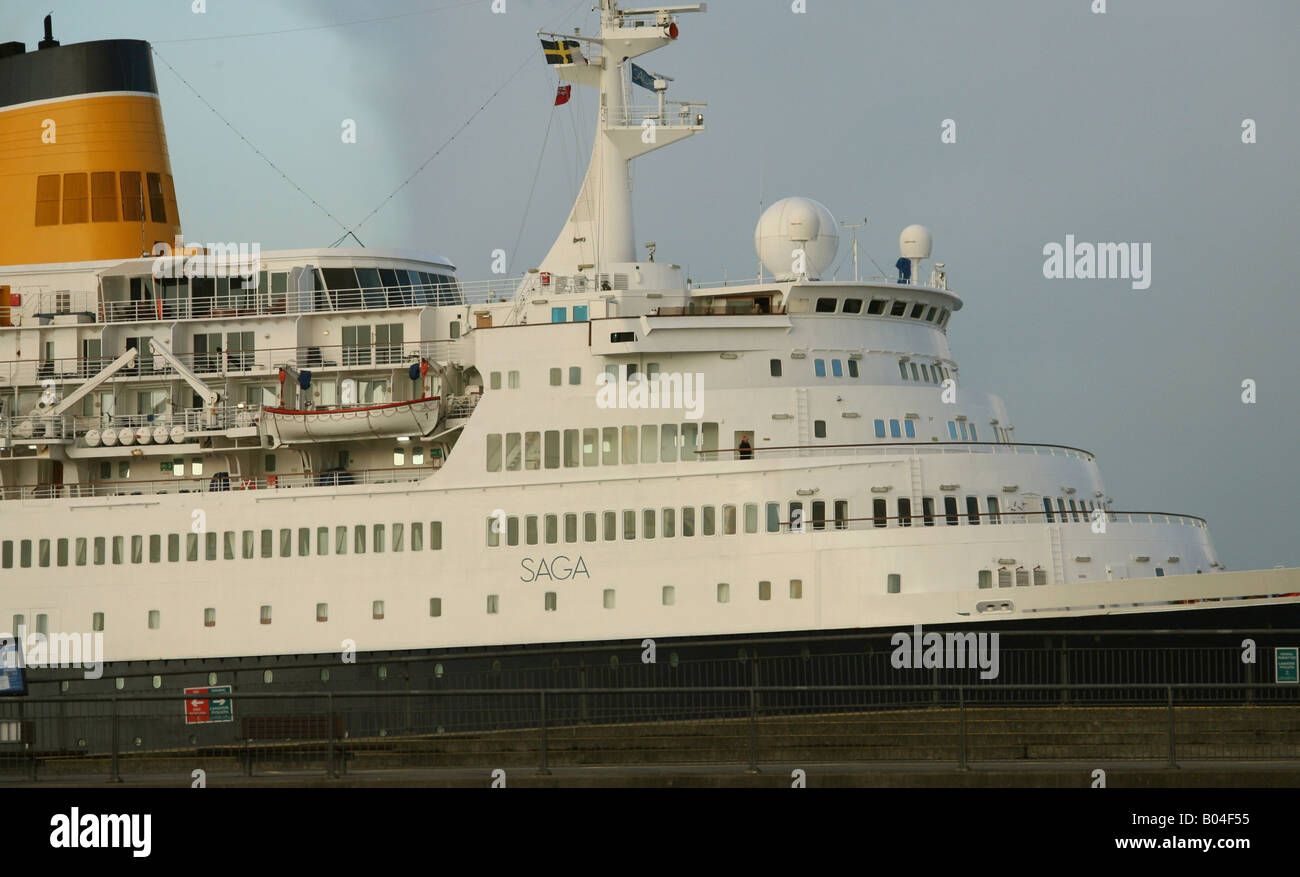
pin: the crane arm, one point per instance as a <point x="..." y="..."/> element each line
<point x="76" y="396"/>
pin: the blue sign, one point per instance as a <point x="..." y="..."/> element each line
<point x="12" y="680"/>
<point x="1286" y="664"/>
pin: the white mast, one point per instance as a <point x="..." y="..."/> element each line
<point x="599" y="230"/>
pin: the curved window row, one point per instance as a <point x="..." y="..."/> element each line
<point x="930" y="373"/>
<point x="96" y="197"/>
<point x="601" y="446"/>
<point x="877" y="307"/>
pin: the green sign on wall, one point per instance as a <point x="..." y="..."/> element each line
<point x="1286" y="664"/>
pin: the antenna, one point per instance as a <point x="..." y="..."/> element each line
<point x="855" y="226"/>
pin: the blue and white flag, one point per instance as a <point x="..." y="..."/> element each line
<point x="643" y="79"/>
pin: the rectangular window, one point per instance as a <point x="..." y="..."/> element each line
<point x="894" y="431"/>
<point x="825" y="305"/>
<point x="103" y="196"/>
<point x="669" y="520"/>
<point x="268" y="543"/>
<point x="286" y="542"/>
<point x="589" y="527"/>
<point x="551" y="529"/>
<point x="902" y="369"/>
<point x="417" y="536"/>
<point x="494" y="452"/>
<point x="950" y="509"/>
<point x="667" y="442"/>
<point x="570" y="528"/>
<point x="136" y="552"/>
<point x="853" y="368"/>
<point x="837" y="368"/>
<point x="964" y="436"/>
<point x="629" y="444"/>
<point x="985" y="578"/>
<point x="359" y="539"/>
<point x="549" y="601"/>
<point x="575" y="375"/>
<point x="1074" y="511"/>
<point x="493" y="604"/>
<point x="880" y="429"/>
<point x="994" y="517"/>
<point x="435" y="535"/>
<point x="48" y="197"/>
<point x="532" y="450"/>
<point x="559" y="315"/>
<point x="691" y="443"/>
<point x="99" y="552"/>
<point x="572" y="455"/>
<point x="80" y="551"/>
<point x="796" y="589"/>
<point x="729" y="520"/>
<point x="76" y="198"/>
<point x="435" y="607"/>
<point x="796" y="517"/>
<point x="973" y="436"/>
<point x="894" y="583"/>
<point x="648" y="517"/>
<point x="512" y="379"/>
<point x="909" y="429"/>
<point x="119" y="548"/>
<point x="724" y="592"/>
<point x="607" y="598"/>
<point x="1060" y="507"/>
<point x="629" y="524"/>
<point x="513" y="451"/>
<point x="904" y="512"/>
<point x="61" y="551"/>
<point x="649" y="443"/>
<point x="1047" y="508"/>
<point x="688" y="521"/>
<point x="952" y="430"/>
<point x="157" y="207"/>
<point x="512" y="530"/>
<point x="246" y="536"/>
<point x="610" y="526"/>
<point x="669" y="595"/>
<point x="819" y="429"/>
<point x="879" y="513"/>
<point x="708" y="521"/>
<point x="819" y="367"/>
<point x="530" y="529"/>
<point x="973" y="509"/>
<point x="775" y="367"/>
<point x="751" y="517"/>
<point x="609" y="446"/>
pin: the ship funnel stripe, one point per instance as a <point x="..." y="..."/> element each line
<point x="75" y="70"/>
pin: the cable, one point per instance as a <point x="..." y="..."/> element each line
<point x="261" y="154"/>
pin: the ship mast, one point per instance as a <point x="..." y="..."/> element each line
<point x="599" y="231"/>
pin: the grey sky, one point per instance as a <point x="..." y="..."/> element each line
<point x="1117" y="127"/>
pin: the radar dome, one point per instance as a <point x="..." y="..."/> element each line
<point x="914" y="242"/>
<point x="792" y="224"/>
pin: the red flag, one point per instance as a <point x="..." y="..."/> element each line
<point x="562" y="95"/>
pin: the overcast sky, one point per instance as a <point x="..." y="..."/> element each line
<point x="1125" y="126"/>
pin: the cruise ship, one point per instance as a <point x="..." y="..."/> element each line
<point x="238" y="465"/>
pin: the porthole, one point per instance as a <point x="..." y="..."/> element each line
<point x="496" y="666"/>
<point x="81" y="742"/>
<point x="325" y="674"/>
<point x="383" y="732"/>
<point x="437" y="671"/>
<point x="267" y="676"/>
<point x="212" y="678"/>
<point x="383" y="672"/>
<point x="120" y="683"/>
<point x="157" y="682"/>
<point x="63" y="686"/>
<point x="194" y="738"/>
<point x="138" y="741"/>
<point x="673" y="660"/>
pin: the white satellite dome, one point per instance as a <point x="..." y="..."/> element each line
<point x="915" y="242"/>
<point x="792" y="224"/>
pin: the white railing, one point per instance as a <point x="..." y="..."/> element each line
<point x="750" y="281"/>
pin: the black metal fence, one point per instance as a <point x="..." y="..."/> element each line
<point x="89" y="739"/>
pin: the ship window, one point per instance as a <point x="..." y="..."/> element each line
<point x="551" y="529"/>
<point x="399" y="456"/>
<point x="929" y="315"/>
<point x="132" y="197"/>
<point x="435" y="535"/>
<point x="629" y="444"/>
<point x="668" y="443"/>
<point x="729" y="520"/>
<point x="571" y="449"/>
<point x="894" y="429"/>
<point x="904" y="512"/>
<point x="286" y="542"/>
<point x="765" y="590"/>
<point x="512" y="530"/>
<point x="880" y="429"/>
<point x="61" y="555"/>
<point x="608" y="598"/>
<point x="378" y="538"/>
<point x="579" y="313"/>
<point x="1060" y="506"/>
<point x="530" y="529"/>
<point x="877" y="306"/>
<point x="796" y="589"/>
<point x="494" y="381"/>
<point x="952" y="430"/>
<point x="629" y="524"/>
<point x="950" y="509"/>
<point x="837" y="368"/>
<point x="796" y="517"/>
<point x="610" y="526"/>
<point x="853" y="368"/>
<point x="819" y="367"/>
<point x="210" y="617"/>
<point x="570" y="528"/>
<point x="973" y="436"/>
<point x="377" y="610"/>
<point x="611" y="375"/>
<point x="47" y="199"/>
<point x="609" y="446"/>
<point x="880" y="512"/>
<point x="943" y="317"/>
<point x="155" y="548"/>
<point x="435" y="608"/>
<point x="620" y="337"/>
<point x="825" y="305"/>
<point x="575" y="375"/>
<point x="669" y="595"/>
<point x="1040" y="576"/>
<point x="513" y="456"/>
<point x="76" y="199"/>
<point x="773" y="517"/>
<point x="103" y="196"/>
<point x="1022" y="578"/>
<point x="559" y="315"/>
<point x="268" y="543"/>
<point x="417" y="536"/>
<point x="1074" y="511"/>
<point x="551" y="454"/>
<point x="549" y="601"/>
<point x="775" y="366"/>
<point x="322" y="612"/>
<point x="852" y="305"/>
<point x="359" y="539"/>
<point x="751" y="517"/>
<point x="155" y="619"/>
<point x="247" y="537"/>
<point x="1004" y="578"/>
<point x="899" y="309"/>
<point x="494" y="452"/>
<point x="25" y="553"/>
<point x="322" y="543"/>
<point x="902" y="369"/>
<point x="493" y="604"/>
<point x="99" y="552"/>
<point x="986" y="578"/>
<point x="915" y="376"/>
<point x="45" y="551"/>
<point x="648" y="523"/>
<point x="973" y="509"/>
<point x="917" y="310"/>
<point x="724" y="592"/>
<point x="994" y="518"/>
<point x="894" y="583"/>
<point x="819" y="515"/>
<point x="264" y="616"/>
<point x="79" y="550"/>
<point x="557" y="377"/>
<point x="669" y="528"/>
<point x="590" y="440"/>
<point x="1047" y="508"/>
<point x="708" y="521"/>
<point x="157" y="206"/>
<point x="909" y="429"/>
<point x="119" y="548"/>
<point x="512" y="380"/>
<point x="649" y="443"/>
<point x="688" y="521"/>
<point x="589" y="527"/>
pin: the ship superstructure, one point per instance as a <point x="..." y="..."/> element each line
<point x="211" y="454"/>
